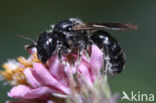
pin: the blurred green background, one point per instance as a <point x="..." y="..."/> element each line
<point x="32" y="17"/>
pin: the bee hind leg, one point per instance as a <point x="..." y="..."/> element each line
<point x="105" y="65"/>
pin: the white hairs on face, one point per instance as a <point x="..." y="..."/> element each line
<point x="76" y="20"/>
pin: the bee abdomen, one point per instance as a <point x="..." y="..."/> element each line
<point x="117" y="60"/>
<point x="113" y="50"/>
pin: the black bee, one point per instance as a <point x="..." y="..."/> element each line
<point x="72" y="33"/>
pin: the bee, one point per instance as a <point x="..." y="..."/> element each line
<point x="72" y="33"/>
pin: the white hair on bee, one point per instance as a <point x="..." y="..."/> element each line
<point x="52" y="28"/>
<point x="76" y="20"/>
<point x="49" y="31"/>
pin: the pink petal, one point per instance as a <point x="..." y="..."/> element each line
<point x="36" y="93"/>
<point x="26" y="92"/>
<point x="31" y="79"/>
<point x="96" y="58"/>
<point x="19" y="91"/>
<point x="84" y="70"/>
<point x="57" y="70"/>
<point x="68" y="69"/>
<point x="42" y="74"/>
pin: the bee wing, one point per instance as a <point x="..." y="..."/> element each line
<point x="106" y="25"/>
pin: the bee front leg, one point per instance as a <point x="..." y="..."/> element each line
<point x="60" y="57"/>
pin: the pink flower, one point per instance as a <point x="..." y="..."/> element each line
<point x="52" y="79"/>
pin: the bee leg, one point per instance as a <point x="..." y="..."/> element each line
<point x="60" y="57"/>
<point x="80" y="52"/>
<point x="102" y="40"/>
<point x="86" y="53"/>
<point x="105" y="61"/>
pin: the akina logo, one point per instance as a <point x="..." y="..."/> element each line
<point x="137" y="96"/>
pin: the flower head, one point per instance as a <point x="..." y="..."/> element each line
<point x="34" y="81"/>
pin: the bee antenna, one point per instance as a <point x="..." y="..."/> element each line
<point x="25" y="37"/>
